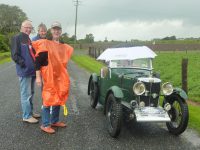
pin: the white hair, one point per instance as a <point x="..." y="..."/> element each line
<point x="26" y="22"/>
<point x="42" y="26"/>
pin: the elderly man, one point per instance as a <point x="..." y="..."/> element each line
<point x="23" y="55"/>
<point x="42" y="31"/>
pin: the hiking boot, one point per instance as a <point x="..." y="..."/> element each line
<point x="47" y="129"/>
<point x="30" y="120"/>
<point x="59" y="124"/>
<point x="35" y="115"/>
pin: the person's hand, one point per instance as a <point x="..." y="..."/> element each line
<point x="38" y="81"/>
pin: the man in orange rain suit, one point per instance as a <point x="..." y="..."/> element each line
<point x="52" y="57"/>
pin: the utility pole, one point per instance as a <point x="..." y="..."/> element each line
<point x="77" y="3"/>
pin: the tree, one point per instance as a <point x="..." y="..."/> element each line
<point x="3" y="46"/>
<point x="72" y="39"/>
<point x="106" y="40"/>
<point x="170" y="38"/>
<point x="65" y="37"/>
<point x="89" y="38"/>
<point x="11" y="18"/>
<point x="49" y="35"/>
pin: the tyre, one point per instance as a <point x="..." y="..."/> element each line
<point x="113" y="115"/>
<point x="179" y="115"/>
<point x="93" y="94"/>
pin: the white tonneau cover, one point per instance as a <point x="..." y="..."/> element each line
<point x="127" y="53"/>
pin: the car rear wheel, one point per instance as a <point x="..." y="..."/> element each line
<point x="179" y="115"/>
<point x="93" y="94"/>
<point x="113" y="115"/>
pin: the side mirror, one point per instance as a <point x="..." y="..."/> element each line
<point x="156" y="74"/>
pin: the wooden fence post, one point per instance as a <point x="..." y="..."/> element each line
<point x="95" y="53"/>
<point x="99" y="52"/>
<point x="89" y="52"/>
<point x="184" y="74"/>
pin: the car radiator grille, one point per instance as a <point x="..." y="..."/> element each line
<point x="151" y="96"/>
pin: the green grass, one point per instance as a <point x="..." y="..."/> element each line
<point x="194" y="119"/>
<point x="88" y="63"/>
<point x="4" y="57"/>
<point x="169" y="65"/>
<point x="5" y="54"/>
<point x="5" y="60"/>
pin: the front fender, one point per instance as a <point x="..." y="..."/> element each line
<point x="180" y="92"/>
<point x="94" y="78"/>
<point x="117" y="92"/>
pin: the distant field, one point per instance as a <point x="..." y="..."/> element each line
<point x="168" y="64"/>
<point x="197" y="41"/>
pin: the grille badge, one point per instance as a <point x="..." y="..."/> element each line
<point x="154" y="95"/>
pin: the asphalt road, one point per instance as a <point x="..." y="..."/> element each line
<point x="86" y="127"/>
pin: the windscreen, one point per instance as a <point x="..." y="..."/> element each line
<point x="144" y="63"/>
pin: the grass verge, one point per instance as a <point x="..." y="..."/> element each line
<point x="4" y="57"/>
<point x="194" y="119"/>
<point x="90" y="64"/>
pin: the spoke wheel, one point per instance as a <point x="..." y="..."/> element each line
<point x="93" y="94"/>
<point x="179" y="115"/>
<point x="113" y="115"/>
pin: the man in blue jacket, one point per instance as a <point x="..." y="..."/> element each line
<point x="42" y="31"/>
<point x="23" y="55"/>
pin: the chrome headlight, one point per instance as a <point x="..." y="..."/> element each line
<point x="139" y="88"/>
<point x="167" y="88"/>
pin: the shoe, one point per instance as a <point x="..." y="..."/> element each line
<point x="47" y="129"/>
<point x="31" y="120"/>
<point x="35" y="115"/>
<point x="59" y="124"/>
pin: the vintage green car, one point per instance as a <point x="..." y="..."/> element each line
<point x="128" y="88"/>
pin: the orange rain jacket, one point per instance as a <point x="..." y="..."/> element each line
<point x="55" y="77"/>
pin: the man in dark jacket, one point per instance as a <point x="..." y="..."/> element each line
<point x="23" y="55"/>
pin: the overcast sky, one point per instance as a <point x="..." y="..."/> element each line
<point x="117" y="19"/>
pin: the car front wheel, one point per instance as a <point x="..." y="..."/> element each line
<point x="113" y="115"/>
<point x="179" y="115"/>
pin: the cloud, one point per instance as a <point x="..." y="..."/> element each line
<point x="143" y="30"/>
<point x="118" y="20"/>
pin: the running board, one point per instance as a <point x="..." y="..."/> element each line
<point x="151" y="114"/>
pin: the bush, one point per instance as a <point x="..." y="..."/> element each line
<point x="3" y="46"/>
